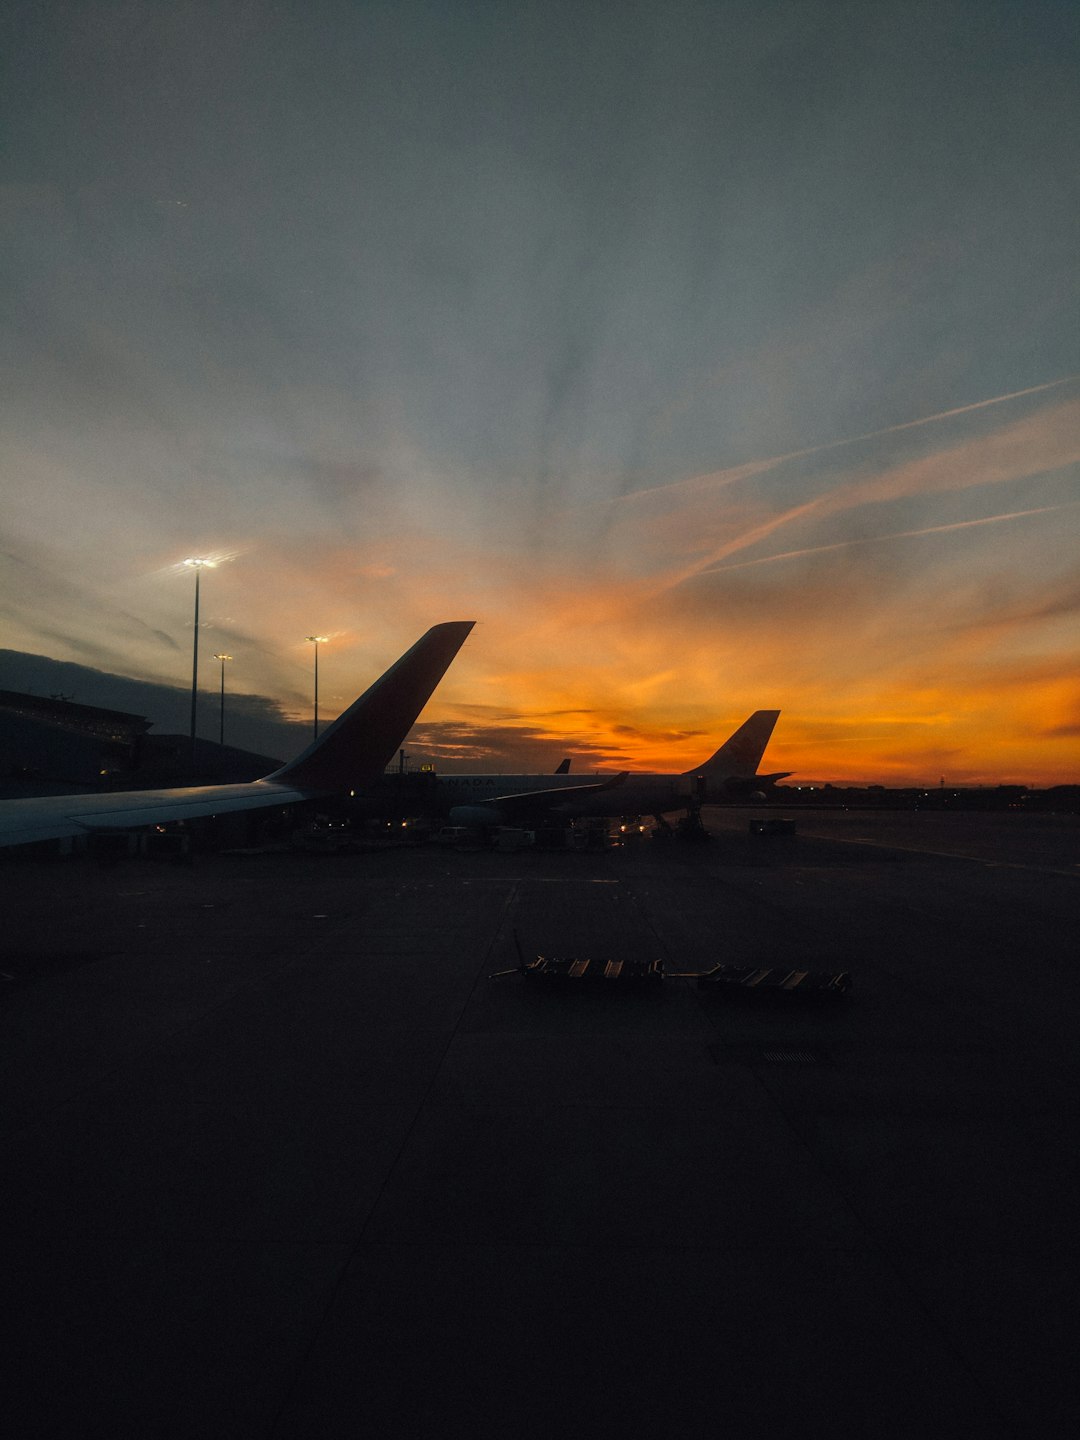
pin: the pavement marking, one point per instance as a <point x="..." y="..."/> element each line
<point x="940" y="854"/>
<point x="536" y="880"/>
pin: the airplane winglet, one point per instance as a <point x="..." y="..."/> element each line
<point x="363" y="740"/>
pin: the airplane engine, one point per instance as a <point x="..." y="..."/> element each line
<point x="474" y="815"/>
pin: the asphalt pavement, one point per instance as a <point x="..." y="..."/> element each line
<point x="281" y="1160"/>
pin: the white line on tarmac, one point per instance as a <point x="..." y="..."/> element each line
<point x="942" y="854"/>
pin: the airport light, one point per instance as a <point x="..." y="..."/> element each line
<point x="221" y="729"/>
<point x="196" y="563"/>
<point x="317" y="640"/>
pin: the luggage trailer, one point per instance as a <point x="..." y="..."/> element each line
<point x="727" y="981"/>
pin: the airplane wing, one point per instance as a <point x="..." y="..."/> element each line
<point x="349" y="753"/>
<point x="530" y="801"/>
<point x="566" y="792"/>
<point x="52" y="817"/>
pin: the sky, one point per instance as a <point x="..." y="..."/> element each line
<point x="712" y="357"/>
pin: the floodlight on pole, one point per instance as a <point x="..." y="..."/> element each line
<point x="221" y="730"/>
<point x="317" y="640"/>
<point x="196" y="563"/>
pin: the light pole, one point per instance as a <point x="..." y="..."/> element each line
<point x="317" y="640"/>
<point x="221" y="730"/>
<point x="195" y="563"/>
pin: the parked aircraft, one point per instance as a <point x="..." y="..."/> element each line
<point x="729" y="773"/>
<point x="350" y="753"/>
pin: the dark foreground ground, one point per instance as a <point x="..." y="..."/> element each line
<point x="280" y="1160"/>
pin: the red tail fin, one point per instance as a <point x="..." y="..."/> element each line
<point x="361" y="742"/>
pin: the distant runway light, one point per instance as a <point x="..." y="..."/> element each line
<point x="197" y="563"/>
<point x="221" y="725"/>
<point x="209" y="561"/>
<point x="317" y="640"/>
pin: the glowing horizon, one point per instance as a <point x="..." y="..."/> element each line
<point x="701" y="393"/>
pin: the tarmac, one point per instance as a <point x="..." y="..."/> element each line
<point x="281" y="1160"/>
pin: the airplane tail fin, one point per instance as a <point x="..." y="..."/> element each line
<point x="740" y="755"/>
<point x="363" y="740"/>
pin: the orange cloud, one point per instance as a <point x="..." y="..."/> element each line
<point x="644" y="640"/>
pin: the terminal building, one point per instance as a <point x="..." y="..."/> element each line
<point x="49" y="745"/>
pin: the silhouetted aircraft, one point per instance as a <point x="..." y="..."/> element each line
<point x="729" y="773"/>
<point x="351" y="752"/>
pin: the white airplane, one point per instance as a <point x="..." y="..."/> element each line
<point x="350" y="753"/>
<point x="729" y="773"/>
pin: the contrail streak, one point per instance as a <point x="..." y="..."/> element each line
<point x="945" y="414"/>
<point x="894" y="535"/>
<point x="755" y="467"/>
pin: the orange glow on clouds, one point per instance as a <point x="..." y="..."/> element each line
<point x="887" y="667"/>
<point x="700" y="393"/>
<point x="912" y="615"/>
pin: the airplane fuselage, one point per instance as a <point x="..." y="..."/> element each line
<point x="730" y="772"/>
<point x="640" y="794"/>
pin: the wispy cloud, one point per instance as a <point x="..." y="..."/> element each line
<point x="1047" y="440"/>
<point x="574" y="369"/>
<point x="732" y="475"/>
<point x="891" y="535"/>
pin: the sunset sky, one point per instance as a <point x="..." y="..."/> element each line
<point x="710" y="356"/>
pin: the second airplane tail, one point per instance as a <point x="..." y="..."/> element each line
<point x="739" y="757"/>
<point x="363" y="740"/>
